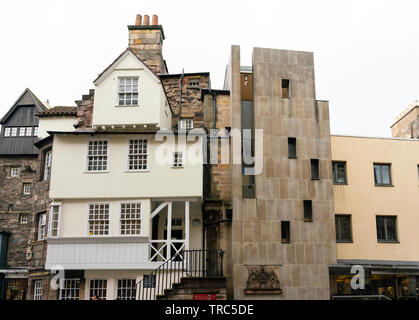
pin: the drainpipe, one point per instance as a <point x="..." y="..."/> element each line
<point x="180" y="95"/>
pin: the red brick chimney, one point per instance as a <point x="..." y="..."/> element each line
<point x="147" y="41"/>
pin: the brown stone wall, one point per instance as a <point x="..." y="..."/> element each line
<point x="85" y="110"/>
<point x="284" y="182"/>
<point x="192" y="107"/>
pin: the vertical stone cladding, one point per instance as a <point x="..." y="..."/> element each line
<point x="147" y="41"/>
<point x="85" y="110"/>
<point x="191" y="97"/>
<point x="285" y="182"/>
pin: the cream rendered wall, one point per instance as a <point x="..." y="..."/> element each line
<point x="364" y="201"/>
<point x="55" y="124"/>
<point x="151" y="97"/>
<point x="70" y="179"/>
<point x="74" y="217"/>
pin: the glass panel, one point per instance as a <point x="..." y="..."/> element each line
<point x="377" y="174"/>
<point x="391" y="228"/>
<point x="385" y="174"/>
<point x="381" y="235"/>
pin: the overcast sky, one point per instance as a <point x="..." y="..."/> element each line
<point x="366" y="53"/>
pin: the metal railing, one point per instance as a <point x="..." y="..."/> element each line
<point x="184" y="264"/>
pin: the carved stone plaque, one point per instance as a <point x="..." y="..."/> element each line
<point x="262" y="280"/>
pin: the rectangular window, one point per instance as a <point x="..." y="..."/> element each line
<point x="308" y="210"/>
<point x="186" y="124"/>
<point x="386" y="228"/>
<point x="47" y="166"/>
<point x="27" y="188"/>
<point x="343" y="228"/>
<point x="97" y="155"/>
<point x="37" y="290"/>
<point x="98" y="219"/>
<point x="69" y="289"/>
<point x="138" y="155"/>
<point x="7" y="132"/>
<point x="35" y="131"/>
<point x="131" y="218"/>
<point x="54" y="219"/>
<point x="285" y="231"/>
<point x="128" y="91"/>
<point x="23" y="218"/>
<point x="42" y="226"/>
<point x="14" y="132"/>
<point x="315" y="172"/>
<point x="22" y="131"/>
<point x="285" y="84"/>
<point x="126" y="289"/>
<point x="382" y="174"/>
<point x="292" y="148"/>
<point x="14" y="172"/>
<point x="339" y="172"/>
<point x="177" y="159"/>
<point x="98" y="288"/>
<point x="193" y="83"/>
<point x="28" y="131"/>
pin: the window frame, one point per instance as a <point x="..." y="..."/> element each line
<point x="132" y="289"/>
<point x="175" y="163"/>
<point x="42" y="228"/>
<point x="315" y="160"/>
<point x="26" y="184"/>
<point x="50" y="220"/>
<point x="118" y="92"/>
<point x="13" y="132"/>
<point x="288" y="224"/>
<point x="292" y="141"/>
<point x="47" y="173"/>
<point x="141" y="202"/>
<point x="104" y="288"/>
<point x="396" y="233"/>
<point x="182" y="124"/>
<point x="196" y="86"/>
<point x="74" y="289"/>
<point x="38" y="290"/>
<point x="107" y="156"/>
<point x="7" y="132"/>
<point x="24" y="131"/>
<point x="287" y="83"/>
<point x="109" y="219"/>
<point x="23" y="221"/>
<point x="382" y="164"/>
<point x="35" y="131"/>
<point x="308" y="219"/>
<point x="147" y="160"/>
<point x="340" y="240"/>
<point x="335" y="171"/>
<point x="18" y="172"/>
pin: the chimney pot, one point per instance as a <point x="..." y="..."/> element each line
<point x="138" y="20"/>
<point x="155" y="20"/>
<point x="146" y="20"/>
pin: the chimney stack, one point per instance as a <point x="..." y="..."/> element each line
<point x="138" y="20"/>
<point x="146" y="20"/>
<point x="147" y="41"/>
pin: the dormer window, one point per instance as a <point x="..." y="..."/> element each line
<point x="186" y="124"/>
<point x="128" y="91"/>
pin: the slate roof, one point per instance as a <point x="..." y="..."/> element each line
<point x="61" y="111"/>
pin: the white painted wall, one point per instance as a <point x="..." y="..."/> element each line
<point x="55" y="124"/>
<point x="151" y="98"/>
<point x="70" y="179"/>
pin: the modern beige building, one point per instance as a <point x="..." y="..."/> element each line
<point x="376" y="192"/>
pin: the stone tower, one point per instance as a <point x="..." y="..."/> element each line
<point x="147" y="41"/>
<point x="283" y="232"/>
<point x="407" y="123"/>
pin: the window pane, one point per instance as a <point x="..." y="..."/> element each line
<point x="385" y="173"/>
<point x="377" y="174"/>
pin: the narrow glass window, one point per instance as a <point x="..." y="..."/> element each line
<point x="47" y="166"/>
<point x="27" y="188"/>
<point x="14" y="132"/>
<point x="98" y="289"/>
<point x="14" y="172"/>
<point x="292" y="148"/>
<point x="7" y="132"/>
<point x="126" y="289"/>
<point x="22" y="131"/>
<point x="285" y="83"/>
<point x="42" y="226"/>
<point x="28" y="131"/>
<point x="386" y="228"/>
<point x="285" y="231"/>
<point x="54" y="220"/>
<point x="35" y="131"/>
<point x="315" y="171"/>
<point x="69" y="289"/>
<point x="37" y="290"/>
<point x="177" y="159"/>
<point x="308" y="210"/>
<point x="343" y="228"/>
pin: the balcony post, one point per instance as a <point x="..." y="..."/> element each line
<point x="187" y="225"/>
<point x="169" y="232"/>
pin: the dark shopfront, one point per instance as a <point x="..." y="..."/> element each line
<point x="397" y="282"/>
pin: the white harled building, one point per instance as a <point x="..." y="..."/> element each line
<point x="125" y="199"/>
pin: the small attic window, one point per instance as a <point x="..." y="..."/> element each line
<point x="285" y="84"/>
<point x="193" y="83"/>
<point x="128" y="91"/>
